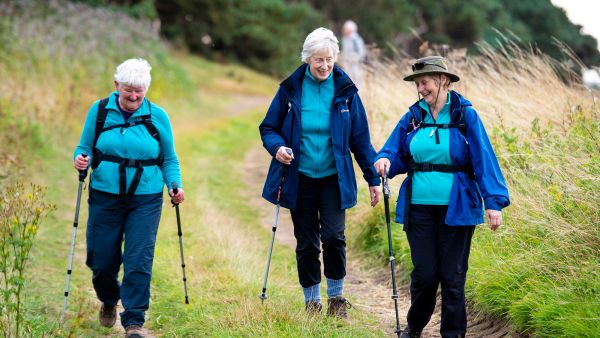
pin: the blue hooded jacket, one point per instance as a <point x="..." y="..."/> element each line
<point x="473" y="148"/>
<point x="349" y="133"/>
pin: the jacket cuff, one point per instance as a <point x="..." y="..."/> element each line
<point x="496" y="203"/>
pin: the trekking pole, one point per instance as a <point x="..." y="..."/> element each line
<point x="82" y="176"/>
<point x="179" y="233"/>
<point x="386" y="203"/>
<point x="263" y="296"/>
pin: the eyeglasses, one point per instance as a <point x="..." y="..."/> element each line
<point x="321" y="61"/>
<point x="421" y="65"/>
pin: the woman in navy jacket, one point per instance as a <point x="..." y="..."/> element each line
<point x="442" y="146"/>
<point x="315" y="120"/>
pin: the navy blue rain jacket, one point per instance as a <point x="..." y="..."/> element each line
<point x="349" y="133"/>
<point x="465" y="207"/>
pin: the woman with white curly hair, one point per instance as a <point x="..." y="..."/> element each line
<point x="128" y="142"/>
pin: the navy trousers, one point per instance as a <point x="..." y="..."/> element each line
<point x="319" y="218"/>
<point x="440" y="255"/>
<point x="115" y="219"/>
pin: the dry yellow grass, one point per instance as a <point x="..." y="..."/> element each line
<point x="510" y="84"/>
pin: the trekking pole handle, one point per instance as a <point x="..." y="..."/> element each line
<point x="83" y="173"/>
<point x="386" y="187"/>
<point x="175" y="191"/>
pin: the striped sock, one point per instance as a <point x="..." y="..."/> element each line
<point x="335" y="287"/>
<point x="312" y="293"/>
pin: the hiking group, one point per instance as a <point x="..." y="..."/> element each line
<point x="313" y="126"/>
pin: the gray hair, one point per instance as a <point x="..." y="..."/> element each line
<point x="134" y="72"/>
<point x="350" y="25"/>
<point x="318" y="40"/>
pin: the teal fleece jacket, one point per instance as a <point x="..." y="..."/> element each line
<point x="315" y="140"/>
<point x="132" y="143"/>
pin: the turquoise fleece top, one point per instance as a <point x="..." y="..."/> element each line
<point x="315" y="141"/>
<point x="133" y="143"/>
<point x="432" y="187"/>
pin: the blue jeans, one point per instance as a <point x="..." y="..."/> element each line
<point x="112" y="220"/>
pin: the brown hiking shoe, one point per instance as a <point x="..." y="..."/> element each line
<point x="107" y="315"/>
<point x="134" y="331"/>
<point x="337" y="307"/>
<point x="313" y="307"/>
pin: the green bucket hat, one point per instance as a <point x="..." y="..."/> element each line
<point x="431" y="65"/>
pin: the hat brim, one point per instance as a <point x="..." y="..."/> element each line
<point x="453" y="77"/>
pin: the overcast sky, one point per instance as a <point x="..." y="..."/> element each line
<point x="585" y="13"/>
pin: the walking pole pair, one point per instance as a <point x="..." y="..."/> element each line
<point x="82" y="176"/>
<point x="263" y="296"/>
<point x="179" y="233"/>
<point x="386" y="198"/>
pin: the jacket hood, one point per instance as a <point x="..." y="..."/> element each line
<point x="343" y="85"/>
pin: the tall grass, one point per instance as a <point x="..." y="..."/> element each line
<point x="54" y="60"/>
<point x="540" y="270"/>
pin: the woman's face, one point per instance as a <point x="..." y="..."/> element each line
<point x="429" y="89"/>
<point x="130" y="97"/>
<point x="321" y="64"/>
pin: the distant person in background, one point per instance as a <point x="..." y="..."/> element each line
<point x="128" y="142"/>
<point x="318" y="115"/>
<point x="442" y="146"/>
<point x="354" y="53"/>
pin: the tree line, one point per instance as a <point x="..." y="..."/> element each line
<point x="267" y="34"/>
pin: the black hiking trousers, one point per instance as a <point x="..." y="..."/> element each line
<point x="319" y="218"/>
<point x="440" y="255"/>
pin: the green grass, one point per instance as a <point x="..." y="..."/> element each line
<point x="231" y="253"/>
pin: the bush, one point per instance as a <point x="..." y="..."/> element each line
<point x="21" y="213"/>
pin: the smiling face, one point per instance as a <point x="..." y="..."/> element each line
<point x="321" y="64"/>
<point x="130" y="97"/>
<point x="431" y="87"/>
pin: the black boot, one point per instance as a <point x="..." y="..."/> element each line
<point x="408" y="333"/>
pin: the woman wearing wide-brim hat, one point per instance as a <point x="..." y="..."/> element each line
<point x="452" y="172"/>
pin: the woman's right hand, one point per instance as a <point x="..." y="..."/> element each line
<point x="81" y="163"/>
<point x="284" y="155"/>
<point x="382" y="166"/>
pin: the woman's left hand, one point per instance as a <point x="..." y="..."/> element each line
<point x="177" y="198"/>
<point x="494" y="218"/>
<point x="375" y="193"/>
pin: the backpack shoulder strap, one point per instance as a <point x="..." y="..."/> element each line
<point x="462" y="124"/>
<point x="100" y="119"/>
<point x="147" y="121"/>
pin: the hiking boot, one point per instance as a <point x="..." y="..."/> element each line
<point x="408" y="333"/>
<point x="107" y="315"/>
<point x="134" y="331"/>
<point x="313" y="307"/>
<point x="337" y="306"/>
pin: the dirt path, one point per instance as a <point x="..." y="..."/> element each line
<point x="368" y="289"/>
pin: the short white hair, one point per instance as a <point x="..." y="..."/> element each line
<point x="350" y="25"/>
<point x="319" y="40"/>
<point x="134" y="72"/>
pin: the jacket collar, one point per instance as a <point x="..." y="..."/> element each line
<point x="343" y="86"/>
<point x="142" y="110"/>
<point x="457" y="102"/>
